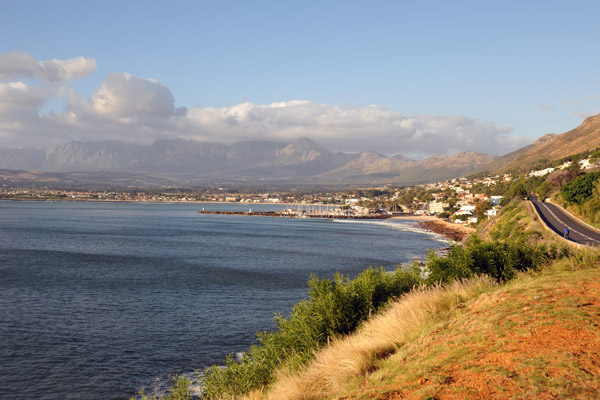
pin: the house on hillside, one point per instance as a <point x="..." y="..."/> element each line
<point x="472" y="220"/>
<point x="436" y="207"/>
<point x="492" y="213"/>
<point x="469" y="207"/>
<point x="495" y="200"/>
<point x="565" y="165"/>
<point x="586" y="164"/>
<point x="542" y="172"/>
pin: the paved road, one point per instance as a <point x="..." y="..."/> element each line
<point x="556" y="219"/>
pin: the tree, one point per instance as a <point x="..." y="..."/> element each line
<point x="580" y="189"/>
<point x="518" y="189"/>
<point x="544" y="189"/>
<point x="481" y="207"/>
<point x="559" y="178"/>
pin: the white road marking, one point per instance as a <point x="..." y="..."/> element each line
<point x="561" y="221"/>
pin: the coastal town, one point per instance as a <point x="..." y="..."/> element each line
<point x="459" y="199"/>
<point x="462" y="201"/>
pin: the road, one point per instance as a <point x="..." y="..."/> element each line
<point x="556" y="219"/>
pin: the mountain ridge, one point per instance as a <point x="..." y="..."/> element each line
<point x="301" y="160"/>
<point x="549" y="147"/>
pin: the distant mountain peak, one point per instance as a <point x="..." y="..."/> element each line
<point x="189" y="162"/>
<point x="301" y="150"/>
<point x="401" y="157"/>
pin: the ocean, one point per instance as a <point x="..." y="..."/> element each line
<point x="98" y="300"/>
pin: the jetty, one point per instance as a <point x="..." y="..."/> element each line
<point x="297" y="213"/>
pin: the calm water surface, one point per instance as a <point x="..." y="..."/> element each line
<point x="100" y="299"/>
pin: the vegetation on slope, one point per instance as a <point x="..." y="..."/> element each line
<point x="583" y="195"/>
<point x="334" y="308"/>
<point x="535" y="337"/>
<point x="340" y="306"/>
<point x="550" y="148"/>
<point x="355" y="339"/>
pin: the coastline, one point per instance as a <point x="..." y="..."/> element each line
<point x="454" y="232"/>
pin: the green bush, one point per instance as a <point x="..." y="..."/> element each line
<point x="579" y="190"/>
<point x="338" y="306"/>
<point x="334" y="307"/>
<point x="500" y="260"/>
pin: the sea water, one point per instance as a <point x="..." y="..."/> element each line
<point x="98" y="300"/>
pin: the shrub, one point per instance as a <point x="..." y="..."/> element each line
<point x="579" y="190"/>
<point x="500" y="260"/>
<point x="180" y="390"/>
<point x="338" y="306"/>
<point x="334" y="307"/>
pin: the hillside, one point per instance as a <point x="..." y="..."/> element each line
<point x="527" y="330"/>
<point x="536" y="337"/>
<point x="586" y="137"/>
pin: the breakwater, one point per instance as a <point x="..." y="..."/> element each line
<point x="299" y="214"/>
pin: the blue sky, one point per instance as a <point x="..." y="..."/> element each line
<point x="498" y="72"/>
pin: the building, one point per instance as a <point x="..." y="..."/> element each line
<point x="472" y="220"/>
<point x="491" y="213"/>
<point x="436" y="208"/>
<point x="542" y="172"/>
<point x="495" y="200"/>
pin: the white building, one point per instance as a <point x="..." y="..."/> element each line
<point x="542" y="172"/>
<point x="461" y="213"/>
<point x="436" y="208"/>
<point x="586" y="164"/>
<point x="565" y="165"/>
<point x="472" y="220"/>
<point x="491" y="213"/>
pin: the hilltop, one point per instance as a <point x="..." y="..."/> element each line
<point x="550" y="147"/>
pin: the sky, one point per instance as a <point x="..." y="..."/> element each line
<point x="415" y="78"/>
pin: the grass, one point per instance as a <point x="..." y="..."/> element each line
<point x="360" y="355"/>
<point x="535" y="337"/>
<point x="180" y="390"/>
<point x="457" y="335"/>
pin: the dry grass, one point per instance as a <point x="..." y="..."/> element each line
<point x="536" y="337"/>
<point x="340" y="366"/>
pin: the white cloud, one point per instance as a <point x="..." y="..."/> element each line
<point x="135" y="109"/>
<point x="23" y="65"/>
<point x="125" y="95"/>
<point x="352" y="129"/>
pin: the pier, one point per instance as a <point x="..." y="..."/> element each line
<point x="334" y="214"/>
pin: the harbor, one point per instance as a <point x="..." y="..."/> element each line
<point x="305" y="212"/>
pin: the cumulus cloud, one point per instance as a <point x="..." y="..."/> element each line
<point x="122" y="94"/>
<point x="352" y="128"/>
<point x="135" y="109"/>
<point x="23" y="65"/>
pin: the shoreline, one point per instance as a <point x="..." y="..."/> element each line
<point x="454" y="232"/>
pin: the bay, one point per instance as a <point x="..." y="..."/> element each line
<point x="100" y="299"/>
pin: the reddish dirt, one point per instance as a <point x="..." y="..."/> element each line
<point x="545" y="344"/>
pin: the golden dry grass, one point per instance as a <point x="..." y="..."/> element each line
<point x="340" y="365"/>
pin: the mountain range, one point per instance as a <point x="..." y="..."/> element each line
<point x="181" y="162"/>
<point x="191" y="162"/>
